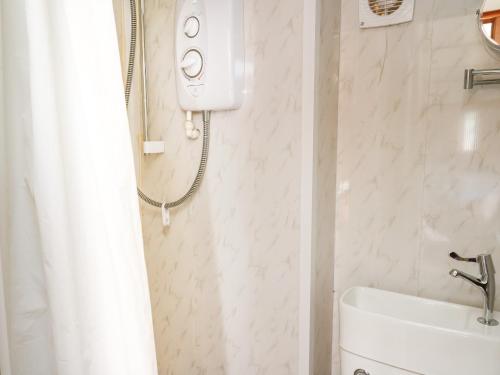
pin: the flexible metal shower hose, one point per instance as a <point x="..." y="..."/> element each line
<point x="206" y="122"/>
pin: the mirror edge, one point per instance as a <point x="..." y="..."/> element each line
<point x="493" y="46"/>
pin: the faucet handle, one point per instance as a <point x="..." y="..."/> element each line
<point x="455" y="256"/>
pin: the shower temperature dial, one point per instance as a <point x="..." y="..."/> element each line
<point x="192" y="63"/>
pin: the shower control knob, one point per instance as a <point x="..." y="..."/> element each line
<point x="192" y="64"/>
<point x="192" y="27"/>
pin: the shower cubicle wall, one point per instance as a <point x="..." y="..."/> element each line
<point x="241" y="282"/>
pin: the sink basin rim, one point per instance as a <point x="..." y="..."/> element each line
<point x="417" y="299"/>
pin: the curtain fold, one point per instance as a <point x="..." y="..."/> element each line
<point x="76" y="296"/>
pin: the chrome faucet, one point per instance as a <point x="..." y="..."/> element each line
<point x="486" y="282"/>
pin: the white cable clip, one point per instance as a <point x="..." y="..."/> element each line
<point x="191" y="131"/>
<point x="165" y="215"/>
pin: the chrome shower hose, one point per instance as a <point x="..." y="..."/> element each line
<point x="206" y="122"/>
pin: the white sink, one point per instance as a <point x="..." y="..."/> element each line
<point x="417" y="335"/>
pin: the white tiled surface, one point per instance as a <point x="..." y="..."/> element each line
<point x="418" y="157"/>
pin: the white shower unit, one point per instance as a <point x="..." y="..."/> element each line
<point x="210" y="55"/>
<point x="209" y="69"/>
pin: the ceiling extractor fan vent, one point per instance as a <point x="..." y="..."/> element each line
<point x="376" y="13"/>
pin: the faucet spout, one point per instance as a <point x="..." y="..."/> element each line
<point x="472" y="279"/>
<point x="486" y="283"/>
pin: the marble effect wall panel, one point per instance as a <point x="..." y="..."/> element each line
<point x="461" y="187"/>
<point x="224" y="277"/>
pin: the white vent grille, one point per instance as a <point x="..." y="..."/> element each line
<point x="384" y="7"/>
<point x="376" y="13"/>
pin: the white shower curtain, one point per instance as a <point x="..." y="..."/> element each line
<point x="74" y="298"/>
